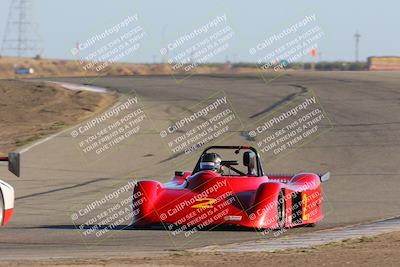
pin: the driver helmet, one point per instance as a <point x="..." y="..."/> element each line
<point x="211" y="162"/>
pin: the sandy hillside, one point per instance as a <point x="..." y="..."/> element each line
<point x="32" y="110"/>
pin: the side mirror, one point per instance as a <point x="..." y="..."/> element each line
<point x="14" y="163"/>
<point x="249" y="160"/>
<point x="247" y="157"/>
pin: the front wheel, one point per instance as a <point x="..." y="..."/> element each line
<point x="1" y="208"/>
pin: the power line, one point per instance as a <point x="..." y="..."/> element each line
<point x="21" y="37"/>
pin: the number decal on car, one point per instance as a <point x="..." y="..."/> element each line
<point x="207" y="203"/>
<point x="305" y="216"/>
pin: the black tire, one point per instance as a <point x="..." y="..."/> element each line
<point x="281" y="210"/>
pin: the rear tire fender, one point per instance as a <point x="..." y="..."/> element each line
<point x="6" y="202"/>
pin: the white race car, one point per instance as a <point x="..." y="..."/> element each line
<point x="6" y="190"/>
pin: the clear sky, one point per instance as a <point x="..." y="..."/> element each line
<point x="62" y="23"/>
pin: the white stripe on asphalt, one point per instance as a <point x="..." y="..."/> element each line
<point x="80" y="87"/>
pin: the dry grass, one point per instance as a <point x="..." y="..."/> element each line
<point x="64" y="68"/>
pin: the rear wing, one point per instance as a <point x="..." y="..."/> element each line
<point x="325" y="177"/>
<point x="13" y="163"/>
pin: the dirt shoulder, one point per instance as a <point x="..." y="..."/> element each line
<point x="32" y="110"/>
<point x="376" y="251"/>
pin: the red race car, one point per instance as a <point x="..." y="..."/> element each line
<point x="229" y="188"/>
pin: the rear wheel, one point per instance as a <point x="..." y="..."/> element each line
<point x="1" y="208"/>
<point x="281" y="210"/>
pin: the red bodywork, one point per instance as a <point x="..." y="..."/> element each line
<point x="208" y="199"/>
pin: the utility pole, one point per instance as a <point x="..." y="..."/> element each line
<point x="20" y="36"/>
<point x="165" y="55"/>
<point x="357" y="37"/>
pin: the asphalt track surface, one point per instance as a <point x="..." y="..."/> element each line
<point x="362" y="152"/>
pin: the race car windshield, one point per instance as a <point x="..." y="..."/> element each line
<point x="208" y="166"/>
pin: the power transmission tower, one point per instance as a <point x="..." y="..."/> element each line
<point x="357" y="37"/>
<point x="20" y="36"/>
